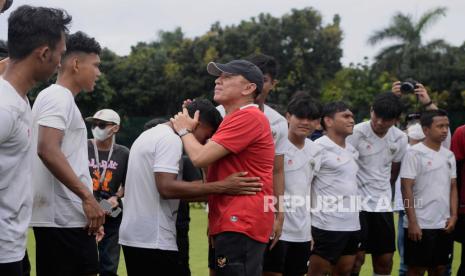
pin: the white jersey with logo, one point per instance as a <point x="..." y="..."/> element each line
<point x="432" y="172"/>
<point x="278" y="126"/>
<point x="54" y="204"/>
<point x="15" y="172"/>
<point x="299" y="168"/>
<point x="334" y="188"/>
<point x="149" y="221"/>
<point x="376" y="156"/>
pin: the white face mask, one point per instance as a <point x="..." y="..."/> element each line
<point x="101" y="134"/>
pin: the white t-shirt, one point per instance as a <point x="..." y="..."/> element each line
<point x="15" y="177"/>
<point x="432" y="172"/>
<point x="149" y="221"/>
<point x="376" y="156"/>
<point x="278" y="126"/>
<point x="299" y="168"/>
<point x="54" y="204"/>
<point x="334" y="188"/>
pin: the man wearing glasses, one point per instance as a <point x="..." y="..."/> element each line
<point x="108" y="165"/>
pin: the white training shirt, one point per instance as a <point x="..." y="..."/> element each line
<point x="376" y="156"/>
<point x="278" y="125"/>
<point x="15" y="177"/>
<point x="54" y="204"/>
<point x="299" y="168"/>
<point x="432" y="171"/>
<point x="149" y="221"/>
<point x="334" y="188"/>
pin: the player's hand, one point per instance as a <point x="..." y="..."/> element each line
<point x="183" y="120"/>
<point x="450" y="224"/>
<point x="414" y="232"/>
<point x="239" y="184"/>
<point x="185" y="103"/>
<point x="277" y="228"/>
<point x="94" y="213"/>
<point x="100" y="234"/>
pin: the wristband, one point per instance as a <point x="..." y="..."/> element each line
<point x="428" y="103"/>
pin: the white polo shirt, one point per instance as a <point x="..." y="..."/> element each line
<point x="299" y="168"/>
<point x="278" y="124"/>
<point x="149" y="221"/>
<point x="374" y="161"/>
<point x="334" y="188"/>
<point x="54" y="204"/>
<point x="432" y="171"/>
<point x="15" y="172"/>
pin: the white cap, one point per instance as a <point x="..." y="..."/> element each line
<point x="415" y="132"/>
<point x="107" y="115"/>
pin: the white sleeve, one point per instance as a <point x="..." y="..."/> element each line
<point x="54" y="111"/>
<point x="409" y="166"/>
<point x="168" y="153"/>
<point x="281" y="138"/>
<point x="402" y="149"/>
<point x="221" y="110"/>
<point x="8" y="123"/>
<point x="453" y="166"/>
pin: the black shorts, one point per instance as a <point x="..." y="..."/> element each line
<point x="331" y="245"/>
<point x="377" y="234"/>
<point x="459" y="231"/>
<point x="65" y="251"/>
<point x="236" y="254"/>
<point x="434" y="249"/>
<point x="12" y="269"/>
<point x="289" y="258"/>
<point x="146" y="261"/>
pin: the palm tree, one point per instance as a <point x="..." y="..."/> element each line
<point x="401" y="57"/>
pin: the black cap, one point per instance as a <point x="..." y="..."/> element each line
<point x="239" y="67"/>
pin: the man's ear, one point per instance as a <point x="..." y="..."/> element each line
<point x="328" y="121"/>
<point x="249" y="89"/>
<point x="116" y="128"/>
<point x="274" y="83"/>
<point x="43" y="53"/>
<point x="288" y="117"/>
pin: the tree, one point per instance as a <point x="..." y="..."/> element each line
<point x="402" y="58"/>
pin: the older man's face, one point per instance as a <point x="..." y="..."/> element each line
<point x="229" y="87"/>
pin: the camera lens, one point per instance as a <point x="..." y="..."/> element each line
<point x="407" y="87"/>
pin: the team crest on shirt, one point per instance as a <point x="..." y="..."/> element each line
<point x="368" y="147"/>
<point x="290" y="162"/>
<point x="221" y="261"/>
<point x="430" y="163"/>
<point x="312" y="164"/>
<point x="338" y="159"/>
<point x="393" y="149"/>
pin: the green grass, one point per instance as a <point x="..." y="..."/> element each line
<point x="199" y="250"/>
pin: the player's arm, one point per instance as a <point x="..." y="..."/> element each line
<point x="49" y="151"/>
<point x="203" y="155"/>
<point x="414" y="231"/>
<point x="278" y="190"/>
<point x="395" y="170"/>
<point x="454" y="202"/>
<point x="236" y="184"/>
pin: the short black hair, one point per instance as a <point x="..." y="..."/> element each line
<point x="387" y="106"/>
<point x="303" y="106"/>
<point x="32" y="27"/>
<point x="330" y="109"/>
<point x="6" y="6"/>
<point x="154" y="122"/>
<point x="267" y="64"/>
<point x="208" y="112"/>
<point x="3" y="50"/>
<point x="81" y="42"/>
<point x="427" y="117"/>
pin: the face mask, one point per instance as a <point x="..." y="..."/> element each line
<point x="101" y="134"/>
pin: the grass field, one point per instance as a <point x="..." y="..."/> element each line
<point x="199" y="253"/>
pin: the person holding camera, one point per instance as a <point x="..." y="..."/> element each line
<point x="411" y="86"/>
<point x="108" y="165"/>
